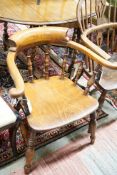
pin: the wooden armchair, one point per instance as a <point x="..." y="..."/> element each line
<point x="55" y="101"/>
<point x="102" y="39"/>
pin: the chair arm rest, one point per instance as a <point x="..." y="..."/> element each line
<point x="91" y="45"/>
<point x="18" y="81"/>
<point x="100" y="60"/>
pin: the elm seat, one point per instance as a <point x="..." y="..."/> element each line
<point x="57" y="103"/>
<point x="108" y="79"/>
<point x="7" y="116"/>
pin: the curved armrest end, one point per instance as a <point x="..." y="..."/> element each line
<point x="15" y="93"/>
<point x="15" y="74"/>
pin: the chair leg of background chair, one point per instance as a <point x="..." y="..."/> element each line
<point x="30" y="153"/>
<point x="92" y="127"/>
<point x="12" y="136"/>
<point x="102" y="98"/>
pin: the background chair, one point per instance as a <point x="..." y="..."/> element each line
<point x="100" y="35"/>
<point x="55" y="101"/>
<point x="11" y="123"/>
<point x="9" y="120"/>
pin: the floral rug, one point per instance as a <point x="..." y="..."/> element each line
<point x="6" y="82"/>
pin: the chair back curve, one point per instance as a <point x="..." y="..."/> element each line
<point x="40" y="36"/>
<point x="37" y="35"/>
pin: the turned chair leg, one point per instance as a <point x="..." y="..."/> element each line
<point x="30" y="153"/>
<point x="102" y="98"/>
<point x="92" y="127"/>
<point x="24" y="130"/>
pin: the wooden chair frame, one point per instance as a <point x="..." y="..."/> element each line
<point x="54" y="36"/>
<point x="88" y="28"/>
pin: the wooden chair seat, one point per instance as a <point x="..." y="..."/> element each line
<point x="7" y="116"/>
<point x="57" y="102"/>
<point x="108" y="79"/>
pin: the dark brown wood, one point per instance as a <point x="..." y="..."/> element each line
<point x="30" y="153"/>
<point x="90" y="82"/>
<point x="46" y="70"/>
<point x="37" y="2"/>
<point x="79" y="73"/>
<point x="92" y="127"/>
<point x="102" y="98"/>
<point x="5" y="37"/>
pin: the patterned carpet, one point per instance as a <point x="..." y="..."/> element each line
<point x="6" y="82"/>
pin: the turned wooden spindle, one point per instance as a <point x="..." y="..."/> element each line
<point x="92" y="127"/>
<point x="90" y="82"/>
<point x="30" y="152"/>
<point x="79" y="72"/>
<point x="99" y="38"/>
<point x="108" y="30"/>
<point x="113" y="31"/>
<point x="72" y="54"/>
<point x="90" y="13"/>
<point x="63" y="67"/>
<point x="30" y="67"/>
<point x="46" y="66"/>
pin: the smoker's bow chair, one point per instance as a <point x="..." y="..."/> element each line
<point x="55" y="101"/>
<point x="102" y="39"/>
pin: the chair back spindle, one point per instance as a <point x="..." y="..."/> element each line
<point x="63" y="66"/>
<point x="46" y="66"/>
<point x="29" y="64"/>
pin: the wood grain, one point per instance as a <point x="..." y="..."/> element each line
<point x="56" y="102"/>
<point x="47" y="12"/>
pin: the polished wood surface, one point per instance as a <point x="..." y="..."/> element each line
<point x="45" y="35"/>
<point x="47" y="12"/>
<point x="57" y="103"/>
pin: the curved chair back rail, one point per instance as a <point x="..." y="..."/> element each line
<point x="99" y="34"/>
<point x="37" y="35"/>
<point x="44" y="35"/>
<point x="93" y="46"/>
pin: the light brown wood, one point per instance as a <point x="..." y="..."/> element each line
<point x="57" y="103"/>
<point x="47" y="12"/>
<point x="92" y="55"/>
<point x="45" y="35"/>
<point x="94" y="38"/>
<point x="90" y="44"/>
<point x="39" y="35"/>
<point x="19" y="91"/>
